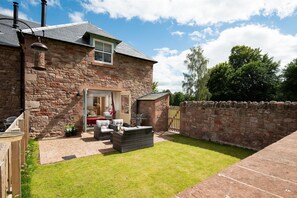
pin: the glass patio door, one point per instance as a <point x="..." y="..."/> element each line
<point x="125" y="111"/>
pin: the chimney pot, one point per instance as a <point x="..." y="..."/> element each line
<point x="43" y="13"/>
<point x="15" y="14"/>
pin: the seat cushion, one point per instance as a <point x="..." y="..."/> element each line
<point x="101" y="123"/>
<point x="118" y="122"/>
<point x="106" y="130"/>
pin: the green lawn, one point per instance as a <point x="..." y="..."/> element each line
<point x="159" y="171"/>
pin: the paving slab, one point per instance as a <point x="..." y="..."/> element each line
<point x="59" y="149"/>
<point x="268" y="167"/>
<point x="271" y="172"/>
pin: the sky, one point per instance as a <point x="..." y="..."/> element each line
<point x="166" y="29"/>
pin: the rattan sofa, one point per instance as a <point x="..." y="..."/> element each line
<point x="133" y="138"/>
<point x="102" y="130"/>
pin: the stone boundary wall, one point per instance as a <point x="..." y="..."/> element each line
<point x="253" y="125"/>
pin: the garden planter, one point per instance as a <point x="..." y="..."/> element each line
<point x="74" y="132"/>
<point x="67" y="134"/>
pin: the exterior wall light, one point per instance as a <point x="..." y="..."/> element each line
<point x="78" y="95"/>
<point x="38" y="46"/>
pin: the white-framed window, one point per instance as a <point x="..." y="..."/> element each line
<point x="103" y="51"/>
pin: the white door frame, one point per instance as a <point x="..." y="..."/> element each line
<point x="125" y="104"/>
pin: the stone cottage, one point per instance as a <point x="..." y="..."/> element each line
<point x="88" y="73"/>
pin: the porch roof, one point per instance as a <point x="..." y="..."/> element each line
<point x="153" y="96"/>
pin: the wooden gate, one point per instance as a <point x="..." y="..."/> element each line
<point x="174" y="118"/>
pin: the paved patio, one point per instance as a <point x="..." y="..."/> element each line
<point x="271" y="172"/>
<point x="60" y="149"/>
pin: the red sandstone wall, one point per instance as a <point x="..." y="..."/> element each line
<point x="10" y="82"/>
<point x="51" y="94"/>
<point x="246" y="124"/>
<point x="148" y="109"/>
<point x="156" y="112"/>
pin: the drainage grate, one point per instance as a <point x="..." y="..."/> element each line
<point x="69" y="157"/>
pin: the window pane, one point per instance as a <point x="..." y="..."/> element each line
<point x="98" y="56"/>
<point x="107" y="48"/>
<point x="107" y="58"/>
<point x="98" y="46"/>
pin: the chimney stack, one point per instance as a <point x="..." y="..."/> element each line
<point x="43" y="13"/>
<point x="15" y="14"/>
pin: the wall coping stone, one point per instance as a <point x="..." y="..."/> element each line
<point x="288" y="105"/>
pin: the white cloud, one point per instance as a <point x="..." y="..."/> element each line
<point x="10" y="13"/>
<point x="33" y="2"/>
<point x="282" y="47"/>
<point x="76" y="17"/>
<point x="168" y="71"/>
<point x="196" y="36"/>
<point x="49" y="2"/>
<point x="177" y="33"/>
<point x="191" y="12"/>
<point x="208" y="31"/>
<point x="200" y="35"/>
<point x="54" y="3"/>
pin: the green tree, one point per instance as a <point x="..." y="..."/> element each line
<point x="249" y="75"/>
<point x="189" y="98"/>
<point x="155" y="87"/>
<point x="253" y="82"/>
<point x="241" y="55"/>
<point x="289" y="85"/>
<point x="218" y="83"/>
<point x="195" y="80"/>
<point x="178" y="98"/>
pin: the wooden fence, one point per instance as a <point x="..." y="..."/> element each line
<point x="174" y="118"/>
<point x="12" y="158"/>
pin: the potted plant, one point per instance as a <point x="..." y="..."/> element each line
<point x="68" y="130"/>
<point x="73" y="130"/>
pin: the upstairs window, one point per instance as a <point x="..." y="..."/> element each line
<point x="103" y="51"/>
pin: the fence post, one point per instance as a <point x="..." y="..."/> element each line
<point x="4" y="151"/>
<point x="26" y="127"/>
<point x="9" y="177"/>
<point x="23" y="144"/>
<point x="16" y="168"/>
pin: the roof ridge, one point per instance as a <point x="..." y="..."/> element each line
<point x="138" y="51"/>
<point x="54" y="26"/>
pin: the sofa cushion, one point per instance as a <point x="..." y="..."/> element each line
<point x="118" y="122"/>
<point x="102" y="123"/>
<point x="106" y="130"/>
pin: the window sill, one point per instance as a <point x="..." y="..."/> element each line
<point x="102" y="65"/>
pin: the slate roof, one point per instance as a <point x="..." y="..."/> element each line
<point x="8" y="34"/>
<point x="72" y="32"/>
<point x="153" y="96"/>
<point x="77" y="33"/>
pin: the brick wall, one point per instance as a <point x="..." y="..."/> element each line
<point x="10" y="82"/>
<point x="246" y="124"/>
<point x="51" y="94"/>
